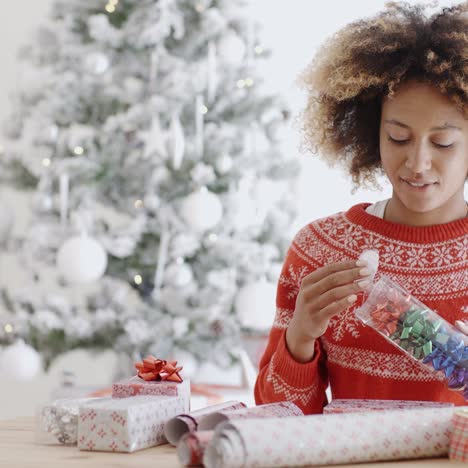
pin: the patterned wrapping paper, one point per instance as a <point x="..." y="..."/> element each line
<point x="126" y="424"/>
<point x="331" y="439"/>
<point x="458" y="449"/>
<point x="191" y="447"/>
<point x="188" y="422"/>
<point x="271" y="410"/>
<point x="57" y="422"/>
<point x="358" y="406"/>
<point x="136" y="386"/>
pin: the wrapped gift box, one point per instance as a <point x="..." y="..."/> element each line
<point x="126" y="424"/>
<point x="137" y="386"/>
<point x="57" y="421"/>
<point x="358" y="406"/>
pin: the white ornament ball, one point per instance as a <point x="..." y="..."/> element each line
<point x="81" y="260"/>
<point x="256" y="305"/>
<point x="224" y="164"/>
<point x="42" y="202"/>
<point x="187" y="361"/>
<point x="372" y="259"/>
<point x="96" y="63"/>
<point x="20" y="361"/>
<point x="202" y="210"/>
<point x="178" y="275"/>
<point x="231" y="49"/>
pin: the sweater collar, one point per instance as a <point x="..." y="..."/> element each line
<point x="419" y="234"/>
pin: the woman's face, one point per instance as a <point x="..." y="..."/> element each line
<point x="424" y="152"/>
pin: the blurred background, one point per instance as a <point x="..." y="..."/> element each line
<point x="152" y="181"/>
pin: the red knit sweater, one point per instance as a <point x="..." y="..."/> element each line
<point x="431" y="262"/>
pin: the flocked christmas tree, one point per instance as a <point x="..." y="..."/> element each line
<point x="161" y="198"/>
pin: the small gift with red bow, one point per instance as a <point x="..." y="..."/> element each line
<point x="155" y="377"/>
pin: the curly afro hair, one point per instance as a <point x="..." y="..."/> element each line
<point x="366" y="61"/>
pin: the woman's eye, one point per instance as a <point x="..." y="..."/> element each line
<point x="402" y="142"/>
<point x="398" y="142"/>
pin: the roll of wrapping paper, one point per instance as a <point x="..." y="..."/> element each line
<point x="191" y="447"/>
<point x="458" y="449"/>
<point x="176" y="427"/>
<point x="331" y="439"/>
<point x="270" y="410"/>
<point x="417" y="330"/>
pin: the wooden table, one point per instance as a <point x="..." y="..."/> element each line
<point x="18" y="450"/>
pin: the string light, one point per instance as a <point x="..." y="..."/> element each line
<point x="78" y="150"/>
<point x="258" y="50"/>
<point x="249" y="82"/>
<point x="138" y="204"/>
<point x="240" y="83"/>
<point x="203" y="109"/>
<point x="8" y="328"/>
<point x="110" y="8"/>
<point x="138" y="279"/>
<point x="212" y="237"/>
<point x="46" y="162"/>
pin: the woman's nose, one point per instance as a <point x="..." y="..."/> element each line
<point x="419" y="159"/>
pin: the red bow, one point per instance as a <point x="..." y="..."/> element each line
<point x="157" y="369"/>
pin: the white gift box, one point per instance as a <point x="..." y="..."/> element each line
<point x="126" y="424"/>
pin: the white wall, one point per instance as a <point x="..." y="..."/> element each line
<point x="293" y="30"/>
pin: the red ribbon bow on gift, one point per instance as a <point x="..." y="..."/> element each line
<point x="157" y="369"/>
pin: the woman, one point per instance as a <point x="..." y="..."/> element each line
<point x="386" y="94"/>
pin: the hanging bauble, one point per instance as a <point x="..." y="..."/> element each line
<point x="224" y="164"/>
<point x="256" y="305"/>
<point x="176" y="142"/>
<point x="231" y="49"/>
<point x="178" y="275"/>
<point x="20" y="361"/>
<point x="187" y="361"/>
<point x="42" y="202"/>
<point x="96" y="63"/>
<point x="81" y="259"/>
<point x="154" y="139"/>
<point x="202" y="210"/>
<point x="152" y="202"/>
<point x="6" y="224"/>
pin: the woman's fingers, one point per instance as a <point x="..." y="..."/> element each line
<point x="336" y="307"/>
<point x="322" y="273"/>
<point x="463" y="327"/>
<point x="339" y="293"/>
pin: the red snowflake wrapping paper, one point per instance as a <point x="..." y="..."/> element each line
<point x="331" y="439"/>
<point x="136" y="386"/>
<point x="270" y="410"/>
<point x="358" y="406"/>
<point x="459" y="441"/>
<point x="191" y="447"/>
<point x="127" y="424"/>
<point x="188" y="422"/>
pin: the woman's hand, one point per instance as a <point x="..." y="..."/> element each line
<point x="462" y="326"/>
<point x="323" y="294"/>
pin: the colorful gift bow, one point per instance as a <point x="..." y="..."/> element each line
<point x="424" y="338"/>
<point x="151" y="368"/>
